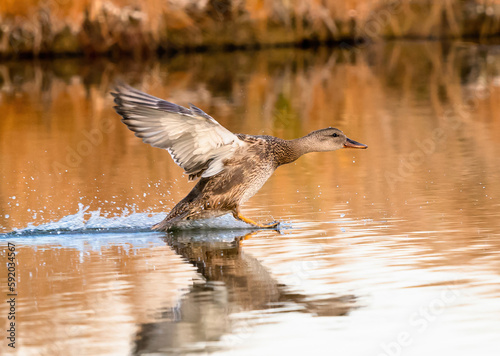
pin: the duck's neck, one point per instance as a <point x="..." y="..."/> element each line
<point x="293" y="149"/>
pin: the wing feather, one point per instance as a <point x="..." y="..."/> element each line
<point x="196" y="142"/>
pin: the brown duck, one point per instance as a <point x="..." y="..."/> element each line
<point x="230" y="168"/>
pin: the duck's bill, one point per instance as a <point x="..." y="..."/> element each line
<point x="353" y="144"/>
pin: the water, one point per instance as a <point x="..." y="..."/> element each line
<point x="393" y="250"/>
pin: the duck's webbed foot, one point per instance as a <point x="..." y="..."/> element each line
<point x="237" y="215"/>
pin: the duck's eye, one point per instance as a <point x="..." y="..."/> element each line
<point x="335" y="135"/>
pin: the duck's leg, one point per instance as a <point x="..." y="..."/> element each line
<point x="237" y="215"/>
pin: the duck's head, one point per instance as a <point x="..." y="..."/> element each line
<point x="331" y="139"/>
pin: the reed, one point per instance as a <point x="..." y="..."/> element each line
<point x="94" y="27"/>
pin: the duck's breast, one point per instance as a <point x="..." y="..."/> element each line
<point x="255" y="179"/>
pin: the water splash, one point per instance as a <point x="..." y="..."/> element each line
<point x="85" y="221"/>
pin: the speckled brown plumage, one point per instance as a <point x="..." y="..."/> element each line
<point x="244" y="175"/>
<point x="231" y="168"/>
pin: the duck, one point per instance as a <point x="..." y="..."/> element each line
<point x="229" y="168"/>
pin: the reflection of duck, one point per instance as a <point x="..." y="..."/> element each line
<point x="235" y="291"/>
<point x="231" y="167"/>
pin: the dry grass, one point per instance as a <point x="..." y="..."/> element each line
<point x="34" y="27"/>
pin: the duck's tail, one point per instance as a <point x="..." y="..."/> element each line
<point x="169" y="222"/>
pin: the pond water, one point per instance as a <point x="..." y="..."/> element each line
<point x="393" y="250"/>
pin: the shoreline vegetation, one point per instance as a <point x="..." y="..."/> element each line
<point x="46" y="28"/>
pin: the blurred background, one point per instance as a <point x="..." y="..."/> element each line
<point x="398" y="239"/>
<point x="142" y="28"/>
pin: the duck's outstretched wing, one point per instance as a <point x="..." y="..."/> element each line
<point x="197" y="142"/>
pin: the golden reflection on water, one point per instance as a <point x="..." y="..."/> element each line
<point x="377" y="231"/>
